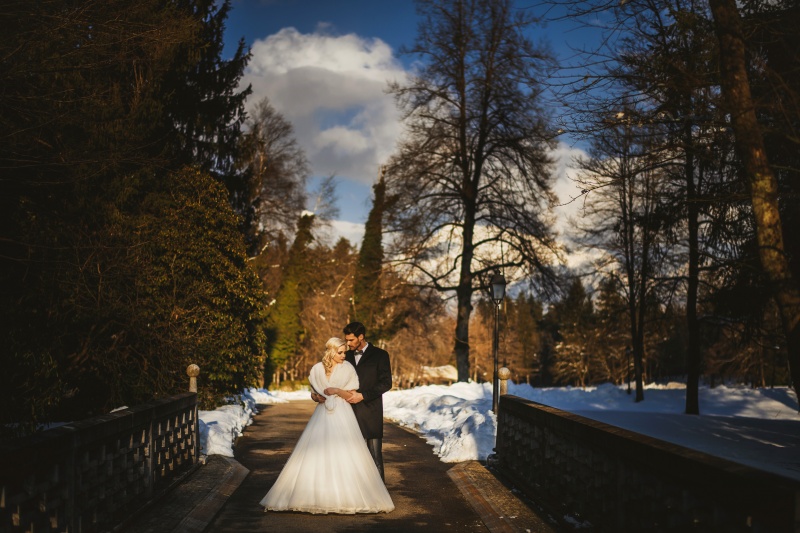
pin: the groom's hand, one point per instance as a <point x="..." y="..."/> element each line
<point x="355" y="397"/>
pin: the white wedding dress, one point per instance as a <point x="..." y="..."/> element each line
<point x="330" y="469"/>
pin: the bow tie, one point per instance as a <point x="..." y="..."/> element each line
<point x="359" y="352"/>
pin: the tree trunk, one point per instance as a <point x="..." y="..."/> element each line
<point x="461" y="348"/>
<point x="641" y="316"/>
<point x="692" y="323"/>
<point x="762" y="181"/>
<point x="637" y="336"/>
<point x="638" y="342"/>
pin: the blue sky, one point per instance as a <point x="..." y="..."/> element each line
<point x="324" y="65"/>
<point x="393" y="21"/>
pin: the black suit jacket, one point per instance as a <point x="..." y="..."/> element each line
<point x="374" y="377"/>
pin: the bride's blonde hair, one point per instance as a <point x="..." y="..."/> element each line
<point x="331" y="348"/>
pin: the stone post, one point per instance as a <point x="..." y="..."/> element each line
<point x="193" y="371"/>
<point x="504" y="374"/>
<point x="502" y="377"/>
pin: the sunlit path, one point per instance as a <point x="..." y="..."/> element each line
<point x="425" y="497"/>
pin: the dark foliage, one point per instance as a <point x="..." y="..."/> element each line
<point x="102" y="105"/>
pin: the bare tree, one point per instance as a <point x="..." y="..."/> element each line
<point x="612" y="346"/>
<point x="275" y="168"/>
<point x="669" y="60"/>
<point x="661" y="54"/>
<point x="471" y="179"/>
<point x="624" y="185"/>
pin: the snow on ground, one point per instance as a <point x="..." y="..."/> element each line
<point x="758" y="427"/>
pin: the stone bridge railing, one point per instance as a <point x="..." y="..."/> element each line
<point x="91" y="475"/>
<point x="611" y="479"/>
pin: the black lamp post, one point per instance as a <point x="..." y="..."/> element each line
<point x="498" y="293"/>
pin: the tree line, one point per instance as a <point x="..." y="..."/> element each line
<point x="675" y="210"/>
<point x="140" y="231"/>
<point x="687" y="275"/>
<point x="687" y="191"/>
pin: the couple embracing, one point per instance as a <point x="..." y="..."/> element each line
<point x="337" y="464"/>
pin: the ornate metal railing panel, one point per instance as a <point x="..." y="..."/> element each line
<point x="616" y="480"/>
<point x="90" y="475"/>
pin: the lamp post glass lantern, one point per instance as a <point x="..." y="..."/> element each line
<point x="498" y="288"/>
<point x="498" y="293"/>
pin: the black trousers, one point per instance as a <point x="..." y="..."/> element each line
<point x="375" y="446"/>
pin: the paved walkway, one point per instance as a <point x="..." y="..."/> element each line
<point x="223" y="495"/>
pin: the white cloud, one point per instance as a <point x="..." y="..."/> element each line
<point x="565" y="186"/>
<point x="570" y="203"/>
<point x="332" y="89"/>
<point x="351" y="231"/>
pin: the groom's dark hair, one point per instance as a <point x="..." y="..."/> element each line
<point x="356" y="328"/>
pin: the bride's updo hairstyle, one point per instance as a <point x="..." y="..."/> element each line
<point x="331" y="347"/>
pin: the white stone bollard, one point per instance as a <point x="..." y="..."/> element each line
<point x="503" y="374"/>
<point x="193" y="371"/>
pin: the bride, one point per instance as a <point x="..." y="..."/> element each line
<point x="330" y="469"/>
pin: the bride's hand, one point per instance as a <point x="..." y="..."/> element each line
<point x="330" y="391"/>
<point x="319" y="398"/>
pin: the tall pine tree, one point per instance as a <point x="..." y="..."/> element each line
<point x="367" y="294"/>
<point x="284" y="329"/>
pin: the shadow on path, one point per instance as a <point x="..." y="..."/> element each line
<point x="425" y="497"/>
<point x="223" y="495"/>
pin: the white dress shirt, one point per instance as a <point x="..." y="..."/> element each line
<point x="358" y="356"/>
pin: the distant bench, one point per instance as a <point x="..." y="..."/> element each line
<point x="91" y="475"/>
<point x="617" y="480"/>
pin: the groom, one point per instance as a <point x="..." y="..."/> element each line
<point x="374" y="378"/>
